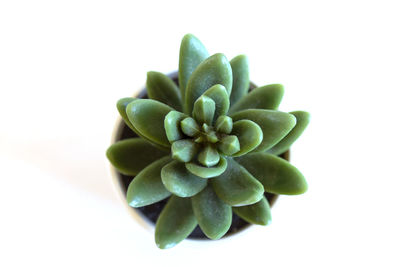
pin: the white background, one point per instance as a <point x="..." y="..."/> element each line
<point x="64" y="64"/>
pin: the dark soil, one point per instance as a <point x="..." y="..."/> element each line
<point x="153" y="211"/>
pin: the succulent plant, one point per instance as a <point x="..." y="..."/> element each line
<point x="209" y="145"/>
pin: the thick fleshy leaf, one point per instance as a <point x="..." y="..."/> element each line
<point x="214" y="70"/>
<point x="121" y="106"/>
<point x="130" y="156"/>
<point x="229" y="145"/>
<point x="264" y="97"/>
<point x="274" y="124"/>
<point x="212" y="214"/>
<point x="241" y="78"/>
<point x="236" y="186"/>
<point x="250" y="136"/>
<point x="207" y="172"/>
<point x="191" y="54"/>
<point x="220" y="96"/>
<point x="172" y="125"/>
<point x="184" y="150"/>
<point x="147" y="188"/>
<point x="203" y="110"/>
<point x="209" y="133"/>
<point x="175" y="222"/>
<point x="161" y="88"/>
<point x="224" y="124"/>
<point x="276" y="174"/>
<point x="179" y="181"/>
<point x="147" y="116"/>
<point x="302" y="120"/>
<point x="190" y="127"/>
<point x="208" y="156"/>
<point x="258" y="213"/>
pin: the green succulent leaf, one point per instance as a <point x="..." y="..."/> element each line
<point x="224" y="124"/>
<point x="175" y="222"/>
<point x="172" y="125"/>
<point x="277" y="175"/>
<point x="203" y="110"/>
<point x="207" y="172"/>
<point x="212" y="214"/>
<point x="274" y="124"/>
<point x="161" y="88"/>
<point x="191" y="54"/>
<point x="220" y="96"/>
<point x="190" y="127"/>
<point x="241" y="78"/>
<point x="302" y="120"/>
<point x="209" y="133"/>
<point x="179" y="181"/>
<point x="147" y="116"/>
<point x="147" y="188"/>
<point x="130" y="156"/>
<point x="250" y="136"/>
<point x="208" y="156"/>
<point x="265" y="97"/>
<point x="236" y="186"/>
<point x="229" y="145"/>
<point x="214" y="70"/>
<point x="184" y="150"/>
<point x="258" y="213"/>
<point x="121" y="106"/>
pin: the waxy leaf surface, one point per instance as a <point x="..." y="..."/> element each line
<point x="207" y="172"/>
<point x="276" y="174"/>
<point x="161" y="88"/>
<point x="220" y="97"/>
<point x="249" y="134"/>
<point x="302" y="120"/>
<point x="265" y="97"/>
<point x="241" y="78"/>
<point x="274" y="124"/>
<point x="214" y="70"/>
<point x="212" y="214"/>
<point x="191" y="54"/>
<point x="175" y="222"/>
<point x="172" y="125"/>
<point x="130" y="156"/>
<point x="179" y="181"/>
<point x="257" y="213"/>
<point x="147" y="188"/>
<point x="236" y="186"/>
<point x="147" y="116"/>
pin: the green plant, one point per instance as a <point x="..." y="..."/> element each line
<point x="209" y="145"/>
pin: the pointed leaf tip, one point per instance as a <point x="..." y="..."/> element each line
<point x="241" y="78"/>
<point x="214" y="70"/>
<point x="236" y="186"/>
<point x="179" y="181"/>
<point x="257" y="213"/>
<point x="177" y="214"/>
<point x="302" y="121"/>
<point x="213" y="215"/>
<point x="275" y="125"/>
<point x="147" y="188"/>
<point x="204" y="109"/>
<point x="264" y="97"/>
<point x="277" y="175"/>
<point x="192" y="53"/>
<point x="147" y="116"/>
<point x="161" y="88"/>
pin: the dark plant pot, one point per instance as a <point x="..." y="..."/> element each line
<point x="148" y="215"/>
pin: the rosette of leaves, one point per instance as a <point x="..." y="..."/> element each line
<point x="209" y="145"/>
